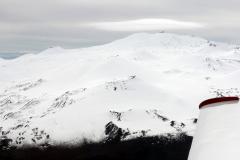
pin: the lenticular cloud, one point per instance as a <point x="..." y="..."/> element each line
<point x="145" y="25"/>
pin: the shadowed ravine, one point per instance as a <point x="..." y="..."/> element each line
<point x="148" y="148"/>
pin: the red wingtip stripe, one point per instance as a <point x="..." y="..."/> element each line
<point x="217" y="100"/>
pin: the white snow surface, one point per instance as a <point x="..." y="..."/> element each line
<point x="67" y="95"/>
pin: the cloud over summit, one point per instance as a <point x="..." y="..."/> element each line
<point x="36" y="25"/>
<point x="146" y="25"/>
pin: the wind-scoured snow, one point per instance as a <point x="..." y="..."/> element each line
<point x="145" y="84"/>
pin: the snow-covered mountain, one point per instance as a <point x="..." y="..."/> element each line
<point x="142" y="85"/>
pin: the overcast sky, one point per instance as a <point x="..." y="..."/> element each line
<point x="34" y="25"/>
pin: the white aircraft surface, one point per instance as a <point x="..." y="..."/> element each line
<point x="218" y="131"/>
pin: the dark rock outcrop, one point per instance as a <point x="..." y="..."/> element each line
<point x="114" y="133"/>
<point x="5" y="142"/>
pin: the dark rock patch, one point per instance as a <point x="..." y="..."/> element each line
<point x="5" y="143"/>
<point x="114" y="133"/>
<point x="117" y="115"/>
<point x="195" y="120"/>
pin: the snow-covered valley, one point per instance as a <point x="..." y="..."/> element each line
<point x="144" y="85"/>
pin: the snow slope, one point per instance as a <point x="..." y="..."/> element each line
<point x="145" y="84"/>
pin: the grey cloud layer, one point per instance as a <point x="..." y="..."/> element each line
<point x="35" y="25"/>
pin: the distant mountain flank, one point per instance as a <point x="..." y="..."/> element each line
<point x="11" y="55"/>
